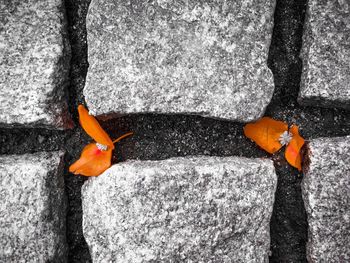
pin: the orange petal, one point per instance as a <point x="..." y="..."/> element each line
<point x="292" y="153"/>
<point x="93" y="128"/>
<point x="265" y="133"/>
<point x="92" y="161"/>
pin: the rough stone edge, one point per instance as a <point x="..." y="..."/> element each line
<point x="58" y="170"/>
<point x="307" y="164"/>
<point x="263" y="161"/>
<point x="304" y="98"/>
<point x="259" y="113"/>
<point x="57" y="104"/>
<point x="306" y="151"/>
<point x="62" y="114"/>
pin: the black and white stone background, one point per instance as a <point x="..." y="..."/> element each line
<point x="161" y="136"/>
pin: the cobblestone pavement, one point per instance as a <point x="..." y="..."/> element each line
<point x="184" y="78"/>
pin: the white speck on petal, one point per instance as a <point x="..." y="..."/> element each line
<point x="101" y="147"/>
<point x="285" y="138"/>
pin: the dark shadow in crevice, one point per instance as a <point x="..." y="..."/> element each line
<point x="284" y="60"/>
<point x="288" y="227"/>
<point x="161" y="136"/>
<point x="76" y="11"/>
<point x="30" y="140"/>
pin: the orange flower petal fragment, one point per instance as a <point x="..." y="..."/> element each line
<point x="92" y="161"/>
<point x="93" y="128"/>
<point x="265" y="133"/>
<point x="292" y="153"/>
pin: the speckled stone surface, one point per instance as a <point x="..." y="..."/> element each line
<point x="325" y="79"/>
<point x="326" y="194"/>
<point x="32" y="208"/>
<point x="191" y="57"/>
<point x="34" y="63"/>
<point x="195" y="209"/>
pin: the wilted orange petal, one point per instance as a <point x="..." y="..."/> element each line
<point x="92" y="161"/>
<point x="93" y="128"/>
<point x="265" y="133"/>
<point x="292" y="153"/>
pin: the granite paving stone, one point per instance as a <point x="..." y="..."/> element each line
<point x="325" y="53"/>
<point x="34" y="64"/>
<point x="32" y="208"/>
<point x="326" y="194"/>
<point x="207" y="58"/>
<point x="188" y="209"/>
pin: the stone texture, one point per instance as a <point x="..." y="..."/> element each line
<point x="325" y="79"/>
<point x="326" y="194"/>
<point x="34" y="63"/>
<point x="193" y="57"/>
<point x="195" y="209"/>
<point x="32" y="208"/>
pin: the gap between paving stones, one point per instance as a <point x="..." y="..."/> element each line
<point x="162" y="136"/>
<point x="288" y="223"/>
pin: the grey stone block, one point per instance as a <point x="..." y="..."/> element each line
<point x="34" y="64"/>
<point x="325" y="53"/>
<point x="32" y="208"/>
<point x="195" y="209"/>
<point x="326" y="194"/>
<point x="191" y="57"/>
